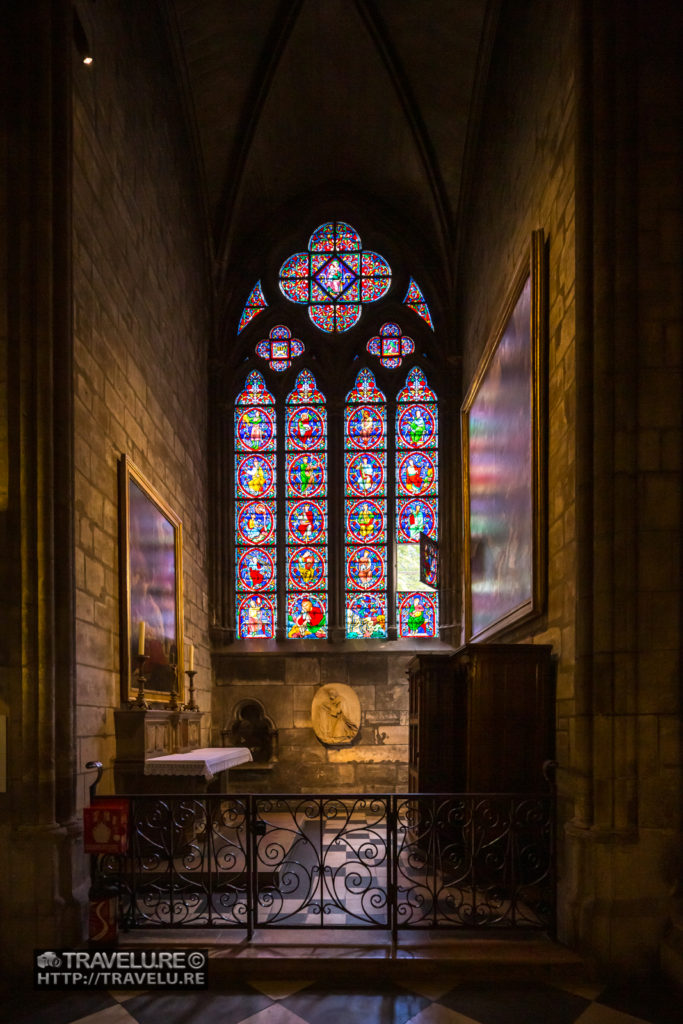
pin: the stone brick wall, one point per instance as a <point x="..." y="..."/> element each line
<point x="141" y="326"/>
<point x="611" y="215"/>
<point x="376" y="761"/>
<point x="525" y="181"/>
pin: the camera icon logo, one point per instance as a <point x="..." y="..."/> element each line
<point x="48" y="959"/>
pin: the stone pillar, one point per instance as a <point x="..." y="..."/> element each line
<point x="38" y="829"/>
<point x="622" y="841"/>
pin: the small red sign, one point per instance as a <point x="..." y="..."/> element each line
<point x="105" y="826"/>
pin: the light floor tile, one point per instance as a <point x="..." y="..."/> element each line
<point x="278" y="988"/>
<point x="437" y="1014"/>
<point x="112" y="1015"/>
<point x="596" y="1013"/>
<point x="274" y="1014"/>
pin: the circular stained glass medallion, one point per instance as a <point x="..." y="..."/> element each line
<point x="256" y="570"/>
<point x="365" y="427"/>
<point x="255" y="429"/>
<point x="255" y="477"/>
<point x="416" y="427"/>
<point x="256" y="617"/>
<point x="255" y="523"/>
<point x="306" y="476"/>
<point x="305" y="569"/>
<point x="417" y="474"/>
<point x="364" y="568"/>
<point x="305" y="427"/>
<point x="415" y="517"/>
<point x="366" y="521"/>
<point x="305" y="522"/>
<point x="364" y="475"/>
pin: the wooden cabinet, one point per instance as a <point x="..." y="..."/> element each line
<point x="481" y="719"/>
<point x="436" y="725"/>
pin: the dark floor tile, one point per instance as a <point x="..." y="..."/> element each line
<point x="56" y="1007"/>
<point x="228" y="1007"/>
<point x="489" y="1003"/>
<point x="367" y="1004"/>
<point x="652" y="1001"/>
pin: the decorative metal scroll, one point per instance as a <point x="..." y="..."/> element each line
<point x="389" y="862"/>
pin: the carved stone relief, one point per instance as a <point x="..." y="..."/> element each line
<point x="335" y="714"/>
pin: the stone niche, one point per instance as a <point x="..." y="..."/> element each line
<point x="374" y="760"/>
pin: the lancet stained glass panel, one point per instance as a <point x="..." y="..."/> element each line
<point x="365" y="509"/>
<point x="306" y="510"/>
<point x="255" y="510"/>
<point x="417" y="605"/>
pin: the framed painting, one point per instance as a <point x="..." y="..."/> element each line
<point x="503" y="437"/>
<point x="151" y="589"/>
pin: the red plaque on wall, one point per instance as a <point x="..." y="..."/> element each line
<point x="105" y="826"/>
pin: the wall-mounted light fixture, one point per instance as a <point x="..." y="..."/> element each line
<point x="81" y="41"/>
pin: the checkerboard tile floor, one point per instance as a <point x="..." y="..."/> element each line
<point x="354" y="868"/>
<point x="441" y="1000"/>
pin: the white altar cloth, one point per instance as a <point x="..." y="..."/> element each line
<point x="206" y="761"/>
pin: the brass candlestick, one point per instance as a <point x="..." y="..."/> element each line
<point x="173" y="704"/>
<point x="140" y="703"/>
<point x="191" y="704"/>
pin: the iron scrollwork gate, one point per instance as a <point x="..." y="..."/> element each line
<point x="386" y="862"/>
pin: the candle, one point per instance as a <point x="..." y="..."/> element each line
<point x="190" y="658"/>
<point x="141" y="638"/>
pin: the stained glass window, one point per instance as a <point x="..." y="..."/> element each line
<point x="365" y="509"/>
<point x="255" y="510"/>
<point x="254" y="305"/>
<point x="306" y="510"/>
<point x="335" y="277"/>
<point x="416" y="301"/>
<point x="417" y="605"/>
<point x="390" y="346"/>
<point x="279" y="348"/>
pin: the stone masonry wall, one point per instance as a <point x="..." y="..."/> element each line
<point x="141" y="324"/>
<point x="525" y="181"/>
<point x="377" y="760"/>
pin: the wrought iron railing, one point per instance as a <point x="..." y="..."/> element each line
<point x="412" y="861"/>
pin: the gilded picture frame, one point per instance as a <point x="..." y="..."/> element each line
<point x="503" y="424"/>
<point x="151" y="588"/>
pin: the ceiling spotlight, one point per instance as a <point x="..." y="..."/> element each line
<point x="81" y="41"/>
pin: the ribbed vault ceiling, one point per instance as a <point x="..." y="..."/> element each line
<point x="297" y="98"/>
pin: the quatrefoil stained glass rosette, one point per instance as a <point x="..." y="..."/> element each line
<point x="335" y="277"/>
<point x="279" y="348"/>
<point x="390" y="346"/>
